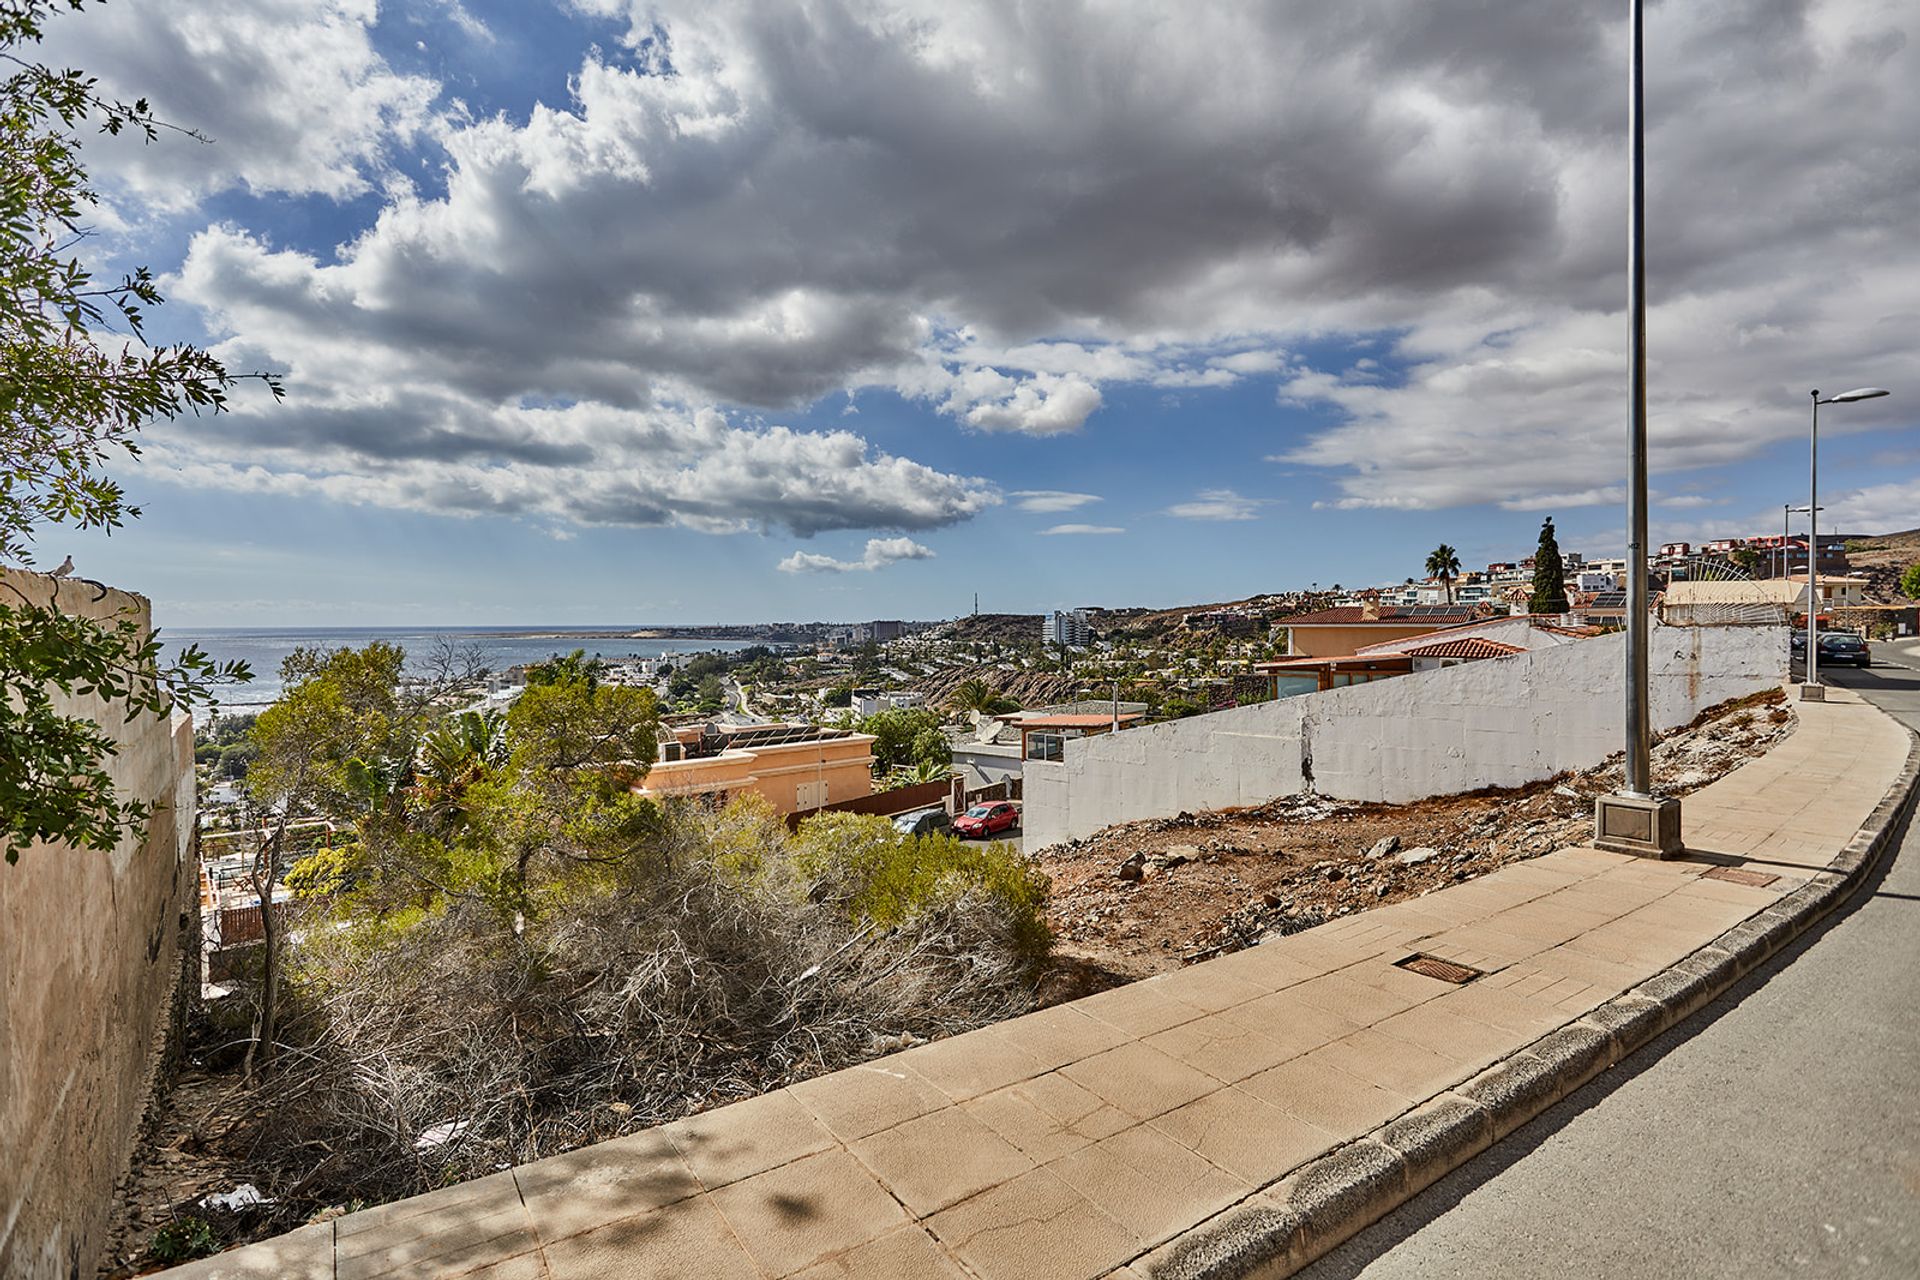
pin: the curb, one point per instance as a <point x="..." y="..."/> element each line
<point x="1287" y="1225"/>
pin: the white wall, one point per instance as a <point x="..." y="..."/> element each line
<point x="1499" y="722"/>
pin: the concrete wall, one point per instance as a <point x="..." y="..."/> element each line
<point x="1499" y="722"/>
<point x="92" y="958"/>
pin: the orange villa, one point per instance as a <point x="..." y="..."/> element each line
<point x="1336" y="632"/>
<point x="797" y="767"/>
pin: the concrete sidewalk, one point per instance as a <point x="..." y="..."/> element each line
<point x="1075" y="1141"/>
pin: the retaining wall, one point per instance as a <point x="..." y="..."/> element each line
<point x="94" y="949"/>
<point x="1500" y="722"/>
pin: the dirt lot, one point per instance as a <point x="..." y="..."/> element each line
<point x="1149" y="896"/>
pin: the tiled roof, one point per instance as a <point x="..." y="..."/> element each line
<point x="1468" y="647"/>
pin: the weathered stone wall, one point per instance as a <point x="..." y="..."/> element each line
<point x="1501" y="722"/>
<point x="91" y="960"/>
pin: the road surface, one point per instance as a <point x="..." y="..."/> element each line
<point x="1777" y="1133"/>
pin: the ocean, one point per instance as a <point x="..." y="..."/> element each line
<point x="262" y="648"/>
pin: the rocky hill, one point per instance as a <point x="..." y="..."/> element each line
<point x="1882" y="560"/>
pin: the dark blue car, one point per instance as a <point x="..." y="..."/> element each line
<point x="1844" y="649"/>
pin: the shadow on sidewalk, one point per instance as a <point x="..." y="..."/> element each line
<point x="1349" y="1259"/>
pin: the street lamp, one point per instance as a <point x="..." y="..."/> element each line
<point x="1785" y="560"/>
<point x="1811" y="689"/>
<point x="1634" y="820"/>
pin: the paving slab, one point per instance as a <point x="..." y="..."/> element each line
<point x="794" y="1216"/>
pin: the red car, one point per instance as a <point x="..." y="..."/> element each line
<point x="986" y="819"/>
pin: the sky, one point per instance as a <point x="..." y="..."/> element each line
<point x="687" y="311"/>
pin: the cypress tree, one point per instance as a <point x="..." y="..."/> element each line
<point x="1549" y="575"/>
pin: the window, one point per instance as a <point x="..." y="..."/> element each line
<point x="1045" y="746"/>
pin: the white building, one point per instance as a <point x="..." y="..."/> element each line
<point x="1069" y="627"/>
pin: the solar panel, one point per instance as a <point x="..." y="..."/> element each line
<point x="777" y="734"/>
<point x="1609" y="600"/>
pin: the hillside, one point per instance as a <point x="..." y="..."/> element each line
<point x="1881" y="560"/>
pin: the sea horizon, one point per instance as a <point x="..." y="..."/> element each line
<point x="263" y="648"/>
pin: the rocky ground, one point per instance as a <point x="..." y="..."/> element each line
<point x="1145" y="897"/>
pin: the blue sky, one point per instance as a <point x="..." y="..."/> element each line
<point x="731" y="311"/>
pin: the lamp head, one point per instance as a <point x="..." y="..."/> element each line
<point x="1858" y="393"/>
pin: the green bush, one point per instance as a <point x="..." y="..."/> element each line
<point x="183" y="1241"/>
<point x="888" y="879"/>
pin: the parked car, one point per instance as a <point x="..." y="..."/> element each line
<point x="1844" y="648"/>
<point x="1799" y="642"/>
<point x="922" y="822"/>
<point x="987" y="819"/>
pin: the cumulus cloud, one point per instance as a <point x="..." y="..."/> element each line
<point x="1006" y="211"/>
<point x="1081" y="528"/>
<point x="292" y="93"/>
<point x="1880" y="508"/>
<point x="880" y="553"/>
<point x="1049" y="500"/>
<point x="1216" y="504"/>
<point x="584" y="464"/>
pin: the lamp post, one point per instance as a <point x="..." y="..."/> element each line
<point x="1812" y="689"/>
<point x="1634" y="820"/>
<point x="1785" y="557"/>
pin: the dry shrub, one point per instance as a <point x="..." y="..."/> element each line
<point x="447" y="1046"/>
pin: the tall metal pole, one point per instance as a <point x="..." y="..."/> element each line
<point x="1786" y="511"/>
<point x="1813" y="549"/>
<point x="1639" y="763"/>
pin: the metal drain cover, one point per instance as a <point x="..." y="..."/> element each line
<point x="1758" y="879"/>
<point x="1435" y="967"/>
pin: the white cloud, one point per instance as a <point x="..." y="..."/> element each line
<point x="1880" y="508"/>
<point x="880" y="553"/>
<point x="1216" y="504"/>
<point x="460" y="16"/>
<point x="292" y="94"/>
<point x="584" y="465"/>
<point x="1051" y="500"/>
<point x="1081" y="528"/>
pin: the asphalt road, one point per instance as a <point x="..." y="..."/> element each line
<point x="1777" y="1133"/>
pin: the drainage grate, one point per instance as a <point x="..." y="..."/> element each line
<point x="1435" y="967"/>
<point x="1758" y="879"/>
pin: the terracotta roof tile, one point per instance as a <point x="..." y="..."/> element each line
<point x="1467" y="647"/>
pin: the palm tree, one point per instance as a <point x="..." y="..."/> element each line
<point x="1443" y="563"/>
<point x="455" y="754"/>
<point x="972" y="694"/>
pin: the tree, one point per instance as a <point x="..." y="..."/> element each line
<point x="905" y="736"/>
<point x="1443" y="562"/>
<point x="71" y="401"/>
<point x="559" y="670"/>
<point x="338" y="711"/>
<point x="563" y="809"/>
<point x="975" y="694"/>
<point x="1549" y="574"/>
<point x="972" y="694"/>
<point x="1745" y="559"/>
<point x="453" y="755"/>
<point x="1910" y="582"/>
